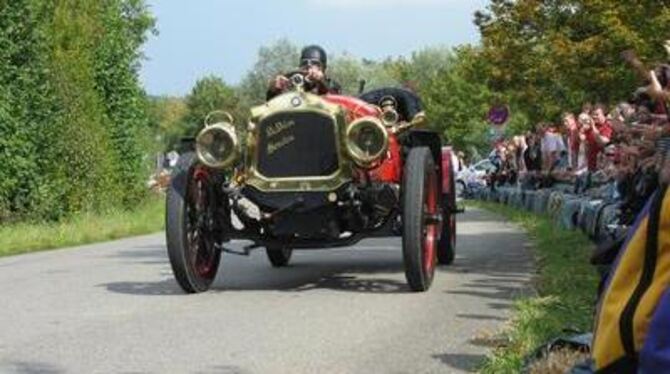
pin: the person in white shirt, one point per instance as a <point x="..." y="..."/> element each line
<point x="582" y="165"/>
<point x="552" y="145"/>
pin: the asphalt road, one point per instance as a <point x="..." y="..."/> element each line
<point x="115" y="308"/>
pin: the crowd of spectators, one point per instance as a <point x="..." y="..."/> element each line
<point x="618" y="149"/>
<point x="594" y="170"/>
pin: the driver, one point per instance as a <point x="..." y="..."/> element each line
<point x="313" y="64"/>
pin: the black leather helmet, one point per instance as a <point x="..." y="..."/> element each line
<point x="313" y="54"/>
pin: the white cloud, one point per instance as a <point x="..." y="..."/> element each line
<point x="356" y="4"/>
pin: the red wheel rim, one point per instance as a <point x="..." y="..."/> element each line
<point x="452" y="205"/>
<point x="201" y="252"/>
<point x="431" y="226"/>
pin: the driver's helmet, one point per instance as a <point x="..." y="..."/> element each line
<point x="313" y="55"/>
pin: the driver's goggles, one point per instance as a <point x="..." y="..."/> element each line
<point x="308" y="62"/>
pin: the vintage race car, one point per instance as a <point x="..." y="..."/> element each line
<point x="313" y="172"/>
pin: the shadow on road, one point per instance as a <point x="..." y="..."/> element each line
<point x="461" y="361"/>
<point x="162" y="288"/>
<point x="501" y="275"/>
<point x="224" y="369"/>
<point x="144" y="254"/>
<point x="364" y="271"/>
<point x="26" y="367"/>
<point x="374" y="268"/>
<point x="350" y="274"/>
<point x="356" y="284"/>
<point x="481" y="317"/>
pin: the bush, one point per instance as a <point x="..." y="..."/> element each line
<point x="72" y="113"/>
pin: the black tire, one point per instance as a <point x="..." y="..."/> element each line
<point x="191" y="200"/>
<point x="279" y="257"/>
<point x="420" y="184"/>
<point x="446" y="250"/>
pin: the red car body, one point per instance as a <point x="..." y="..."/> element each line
<point x="390" y="168"/>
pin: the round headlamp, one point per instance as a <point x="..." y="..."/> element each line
<point x="366" y="141"/>
<point x="217" y="145"/>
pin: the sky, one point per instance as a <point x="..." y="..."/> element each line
<point x="222" y="37"/>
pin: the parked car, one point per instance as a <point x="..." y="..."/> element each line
<point x="320" y="172"/>
<point x="473" y="177"/>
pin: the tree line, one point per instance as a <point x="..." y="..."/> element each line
<point x="549" y="56"/>
<point x="456" y="104"/>
<point x="540" y="58"/>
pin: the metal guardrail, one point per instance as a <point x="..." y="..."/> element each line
<point x="598" y="218"/>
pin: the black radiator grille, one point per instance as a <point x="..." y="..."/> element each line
<point x="296" y="144"/>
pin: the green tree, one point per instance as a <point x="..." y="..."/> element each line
<point x="25" y="108"/>
<point x="72" y="111"/>
<point x="422" y="67"/>
<point x="80" y="158"/>
<point x="348" y="71"/>
<point x="549" y="56"/>
<point x="279" y="57"/>
<point x="209" y="94"/>
<point x="457" y="99"/>
<point x="455" y="93"/>
<point x="166" y="118"/>
<point x="117" y="57"/>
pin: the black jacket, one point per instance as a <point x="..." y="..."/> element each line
<point x="328" y="86"/>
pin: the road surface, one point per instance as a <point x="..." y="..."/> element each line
<point x="115" y="308"/>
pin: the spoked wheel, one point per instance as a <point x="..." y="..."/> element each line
<point x="446" y="250"/>
<point x="190" y="218"/>
<point x="421" y="219"/>
<point x="278" y="256"/>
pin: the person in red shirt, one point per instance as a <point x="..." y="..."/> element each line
<point x="597" y="136"/>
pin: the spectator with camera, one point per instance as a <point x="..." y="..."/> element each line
<point x="597" y="134"/>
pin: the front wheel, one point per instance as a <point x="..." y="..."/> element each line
<point x="279" y="257"/>
<point x="190" y="229"/>
<point x="421" y="218"/>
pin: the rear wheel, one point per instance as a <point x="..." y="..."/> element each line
<point x="190" y="222"/>
<point x="279" y="257"/>
<point x="421" y="218"/>
<point x="446" y="250"/>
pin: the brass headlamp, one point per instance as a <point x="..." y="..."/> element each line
<point x="366" y="141"/>
<point x="217" y="145"/>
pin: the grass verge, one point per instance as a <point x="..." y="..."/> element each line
<point x="566" y="289"/>
<point x="82" y="229"/>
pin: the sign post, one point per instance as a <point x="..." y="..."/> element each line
<point x="497" y="117"/>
